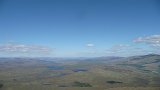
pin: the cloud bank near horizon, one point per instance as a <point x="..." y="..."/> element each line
<point x="24" y="49"/>
<point x="149" y="44"/>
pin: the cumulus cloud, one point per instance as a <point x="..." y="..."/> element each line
<point x="153" y="40"/>
<point x="23" y="49"/>
<point x="90" y="45"/>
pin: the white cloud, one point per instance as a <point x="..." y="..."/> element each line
<point x="90" y="45"/>
<point x="24" y="49"/>
<point x="153" y="40"/>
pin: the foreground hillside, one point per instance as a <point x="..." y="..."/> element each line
<point x="131" y="73"/>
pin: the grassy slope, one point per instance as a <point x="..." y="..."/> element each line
<point x="34" y="75"/>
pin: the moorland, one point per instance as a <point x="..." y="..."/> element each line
<point x="98" y="73"/>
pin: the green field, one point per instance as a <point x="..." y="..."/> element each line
<point x="131" y="73"/>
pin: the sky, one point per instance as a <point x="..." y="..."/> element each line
<point x="79" y="28"/>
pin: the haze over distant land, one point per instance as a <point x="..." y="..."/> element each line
<point x="79" y="28"/>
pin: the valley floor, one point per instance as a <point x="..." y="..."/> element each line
<point x="140" y="73"/>
<point x="81" y="88"/>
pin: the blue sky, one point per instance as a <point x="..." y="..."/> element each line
<point x="79" y="27"/>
